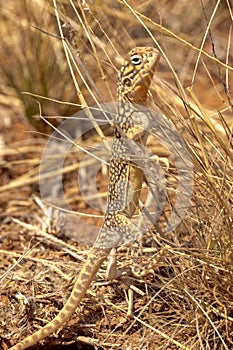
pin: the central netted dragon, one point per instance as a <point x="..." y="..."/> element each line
<point x="125" y="182"/>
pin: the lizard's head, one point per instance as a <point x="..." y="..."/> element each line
<point x="136" y="74"/>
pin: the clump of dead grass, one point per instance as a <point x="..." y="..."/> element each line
<point x="33" y="62"/>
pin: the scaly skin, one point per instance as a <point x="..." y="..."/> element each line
<point x="134" y="80"/>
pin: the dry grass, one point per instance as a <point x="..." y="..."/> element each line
<point x="184" y="299"/>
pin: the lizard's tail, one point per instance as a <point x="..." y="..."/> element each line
<point x="88" y="272"/>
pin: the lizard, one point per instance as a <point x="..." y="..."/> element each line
<point x="124" y="184"/>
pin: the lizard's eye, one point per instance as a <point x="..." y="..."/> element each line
<point x="136" y="60"/>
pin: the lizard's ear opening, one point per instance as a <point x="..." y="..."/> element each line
<point x="127" y="82"/>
